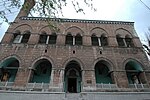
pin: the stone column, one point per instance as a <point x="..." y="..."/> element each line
<point x="87" y="40"/>
<point x="57" y="80"/>
<point x="60" y="40"/>
<point x="21" y="77"/>
<point x="147" y="74"/>
<point x="113" y="77"/>
<point x="112" y="41"/>
<point x="121" y="79"/>
<point x="143" y="78"/>
<point x="124" y="42"/>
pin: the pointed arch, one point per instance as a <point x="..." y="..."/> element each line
<point x="98" y="31"/>
<point x="72" y="77"/>
<point x="74" y="30"/>
<point x="73" y="59"/>
<point x="24" y="33"/>
<point x="134" y="71"/>
<point x="39" y="58"/>
<point x="102" y="72"/>
<point x="123" y="32"/>
<point x="45" y="29"/>
<point x="22" y="28"/>
<point x="41" y="71"/>
<point x="8" y="69"/>
<point x="107" y="61"/>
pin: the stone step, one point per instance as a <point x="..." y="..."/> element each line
<point x="73" y="96"/>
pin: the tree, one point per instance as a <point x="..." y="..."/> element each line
<point x="147" y="47"/>
<point x="45" y="8"/>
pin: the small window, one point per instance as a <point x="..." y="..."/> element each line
<point x="25" y="38"/>
<point x="69" y="39"/>
<point x="103" y="40"/>
<point x="120" y="41"/>
<point x="129" y="42"/>
<point x="52" y="39"/>
<point x="94" y="40"/>
<point x="17" y="38"/>
<point x="43" y="38"/>
<point x="78" y="39"/>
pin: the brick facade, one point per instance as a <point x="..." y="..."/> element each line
<point x="86" y="55"/>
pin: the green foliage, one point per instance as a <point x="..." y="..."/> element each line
<point x="147" y="47"/>
<point x="44" y="8"/>
<point x="8" y="6"/>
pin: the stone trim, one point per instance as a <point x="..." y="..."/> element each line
<point x="77" y="20"/>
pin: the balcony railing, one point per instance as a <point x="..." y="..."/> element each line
<point x="48" y="87"/>
<point x="38" y="86"/>
<point x="138" y="86"/>
<point x="43" y="87"/>
<point x="6" y="85"/>
<point x="106" y="86"/>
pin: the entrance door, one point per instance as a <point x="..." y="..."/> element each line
<point x="72" y="85"/>
<point x="72" y="78"/>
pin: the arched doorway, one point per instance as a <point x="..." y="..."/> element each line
<point x="102" y="73"/>
<point x="72" y="77"/>
<point x="134" y="72"/>
<point x="8" y="69"/>
<point x="42" y="72"/>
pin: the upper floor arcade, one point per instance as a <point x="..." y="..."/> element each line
<point x="73" y="32"/>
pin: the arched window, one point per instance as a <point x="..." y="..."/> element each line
<point x="69" y="39"/>
<point x="120" y="41"/>
<point x="25" y="37"/>
<point x="102" y="73"/>
<point x="78" y="39"/>
<point x="134" y="73"/>
<point x="103" y="40"/>
<point x="43" y="38"/>
<point x="17" y="37"/>
<point x="129" y="41"/>
<point x="9" y="69"/>
<point x="94" y="40"/>
<point x="42" y="72"/>
<point x="52" y="38"/>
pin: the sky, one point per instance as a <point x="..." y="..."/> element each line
<point x="112" y="10"/>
